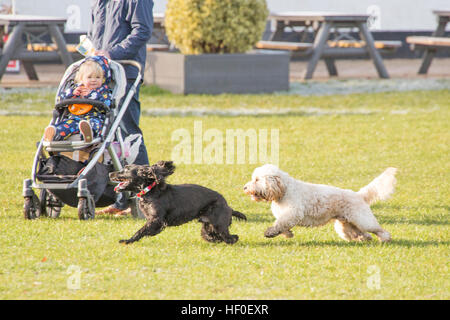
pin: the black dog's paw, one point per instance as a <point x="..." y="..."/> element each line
<point x="125" y="241"/>
<point x="232" y="239"/>
<point x="271" y="232"/>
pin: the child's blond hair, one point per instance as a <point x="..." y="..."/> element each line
<point x="89" y="67"/>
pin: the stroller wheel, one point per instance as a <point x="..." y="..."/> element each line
<point x="32" y="207"/>
<point x="86" y="208"/>
<point x="50" y="205"/>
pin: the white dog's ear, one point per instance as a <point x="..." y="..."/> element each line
<point x="275" y="188"/>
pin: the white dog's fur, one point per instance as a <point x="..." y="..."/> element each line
<point x="305" y="204"/>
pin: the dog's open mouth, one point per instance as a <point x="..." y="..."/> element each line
<point x="122" y="183"/>
<point x="121" y="186"/>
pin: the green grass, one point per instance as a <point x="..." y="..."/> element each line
<point x="345" y="150"/>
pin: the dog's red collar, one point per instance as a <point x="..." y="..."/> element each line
<point x="147" y="189"/>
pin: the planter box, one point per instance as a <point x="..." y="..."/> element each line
<point x="253" y="72"/>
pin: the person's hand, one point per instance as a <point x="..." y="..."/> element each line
<point x="102" y="53"/>
<point x="77" y="91"/>
<point x="84" y="91"/>
<point x="81" y="91"/>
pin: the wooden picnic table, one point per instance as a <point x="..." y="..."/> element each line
<point x="23" y="29"/>
<point x="443" y="17"/>
<point x="322" y="24"/>
<point x="158" y="20"/>
<point x="158" y="28"/>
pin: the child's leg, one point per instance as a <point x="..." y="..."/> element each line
<point x="86" y="130"/>
<point x="66" y="128"/>
<point x="96" y="123"/>
<point x="49" y="133"/>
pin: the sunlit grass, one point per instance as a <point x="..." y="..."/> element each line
<point x="345" y="150"/>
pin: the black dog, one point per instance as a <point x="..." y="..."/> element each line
<point x="172" y="205"/>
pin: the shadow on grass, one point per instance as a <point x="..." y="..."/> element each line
<point x="253" y="218"/>
<point x="428" y="219"/>
<point x="385" y="219"/>
<point x="63" y="218"/>
<point x="381" y="219"/>
<point x="263" y="218"/>
<point x="343" y="244"/>
<point x="424" y="222"/>
<point x="381" y="205"/>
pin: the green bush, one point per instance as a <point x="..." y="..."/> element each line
<point x="215" y="26"/>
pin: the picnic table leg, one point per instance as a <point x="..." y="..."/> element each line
<point x="373" y="52"/>
<point x="61" y="43"/>
<point x="331" y="67"/>
<point x="14" y="40"/>
<point x="426" y="61"/>
<point x="319" y="45"/>
<point x="30" y="70"/>
<point x="429" y="52"/>
<point x="278" y="34"/>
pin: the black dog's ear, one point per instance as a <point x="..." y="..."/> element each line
<point x="145" y="171"/>
<point x="167" y="166"/>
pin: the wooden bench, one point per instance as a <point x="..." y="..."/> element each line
<point x="431" y="45"/>
<point x="41" y="52"/>
<point x="385" y="46"/>
<point x="43" y="47"/>
<point x="157" y="47"/>
<point x="434" y="42"/>
<point x="284" y="45"/>
<point x="380" y="45"/>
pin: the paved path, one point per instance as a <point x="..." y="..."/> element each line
<point x="50" y="74"/>
<point x="397" y="68"/>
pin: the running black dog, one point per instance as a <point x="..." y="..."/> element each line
<point x="172" y="205"/>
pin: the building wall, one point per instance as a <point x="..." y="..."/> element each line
<point x="392" y="15"/>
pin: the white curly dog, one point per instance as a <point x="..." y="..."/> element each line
<point x="305" y="204"/>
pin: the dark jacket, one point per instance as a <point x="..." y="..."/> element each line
<point x="122" y="28"/>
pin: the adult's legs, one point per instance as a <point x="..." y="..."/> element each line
<point x="130" y="125"/>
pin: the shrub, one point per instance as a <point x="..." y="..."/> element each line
<point x="215" y="26"/>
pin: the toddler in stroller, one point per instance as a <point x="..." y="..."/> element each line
<point x="91" y="83"/>
<point x="68" y="170"/>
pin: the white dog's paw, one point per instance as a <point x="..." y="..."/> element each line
<point x="271" y="232"/>
<point x="288" y="234"/>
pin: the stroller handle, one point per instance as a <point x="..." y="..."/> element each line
<point x="131" y="62"/>
<point x="95" y="103"/>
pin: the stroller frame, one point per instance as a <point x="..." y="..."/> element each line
<point x="33" y="207"/>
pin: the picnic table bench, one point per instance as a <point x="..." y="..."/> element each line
<point x="284" y="45"/>
<point x="384" y="46"/>
<point x="432" y="43"/>
<point x="31" y="29"/>
<point x="343" y="45"/>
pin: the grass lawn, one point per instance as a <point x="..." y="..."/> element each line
<point x="357" y="137"/>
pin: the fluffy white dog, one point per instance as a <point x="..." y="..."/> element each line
<point x="305" y="204"/>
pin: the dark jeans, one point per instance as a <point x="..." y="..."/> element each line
<point x="130" y="125"/>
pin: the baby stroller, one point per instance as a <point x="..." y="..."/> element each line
<point x="57" y="170"/>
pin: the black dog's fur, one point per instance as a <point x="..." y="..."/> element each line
<point x="173" y="205"/>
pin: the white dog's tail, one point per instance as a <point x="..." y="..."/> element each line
<point x="381" y="187"/>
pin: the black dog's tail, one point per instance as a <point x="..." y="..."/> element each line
<point x="239" y="215"/>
